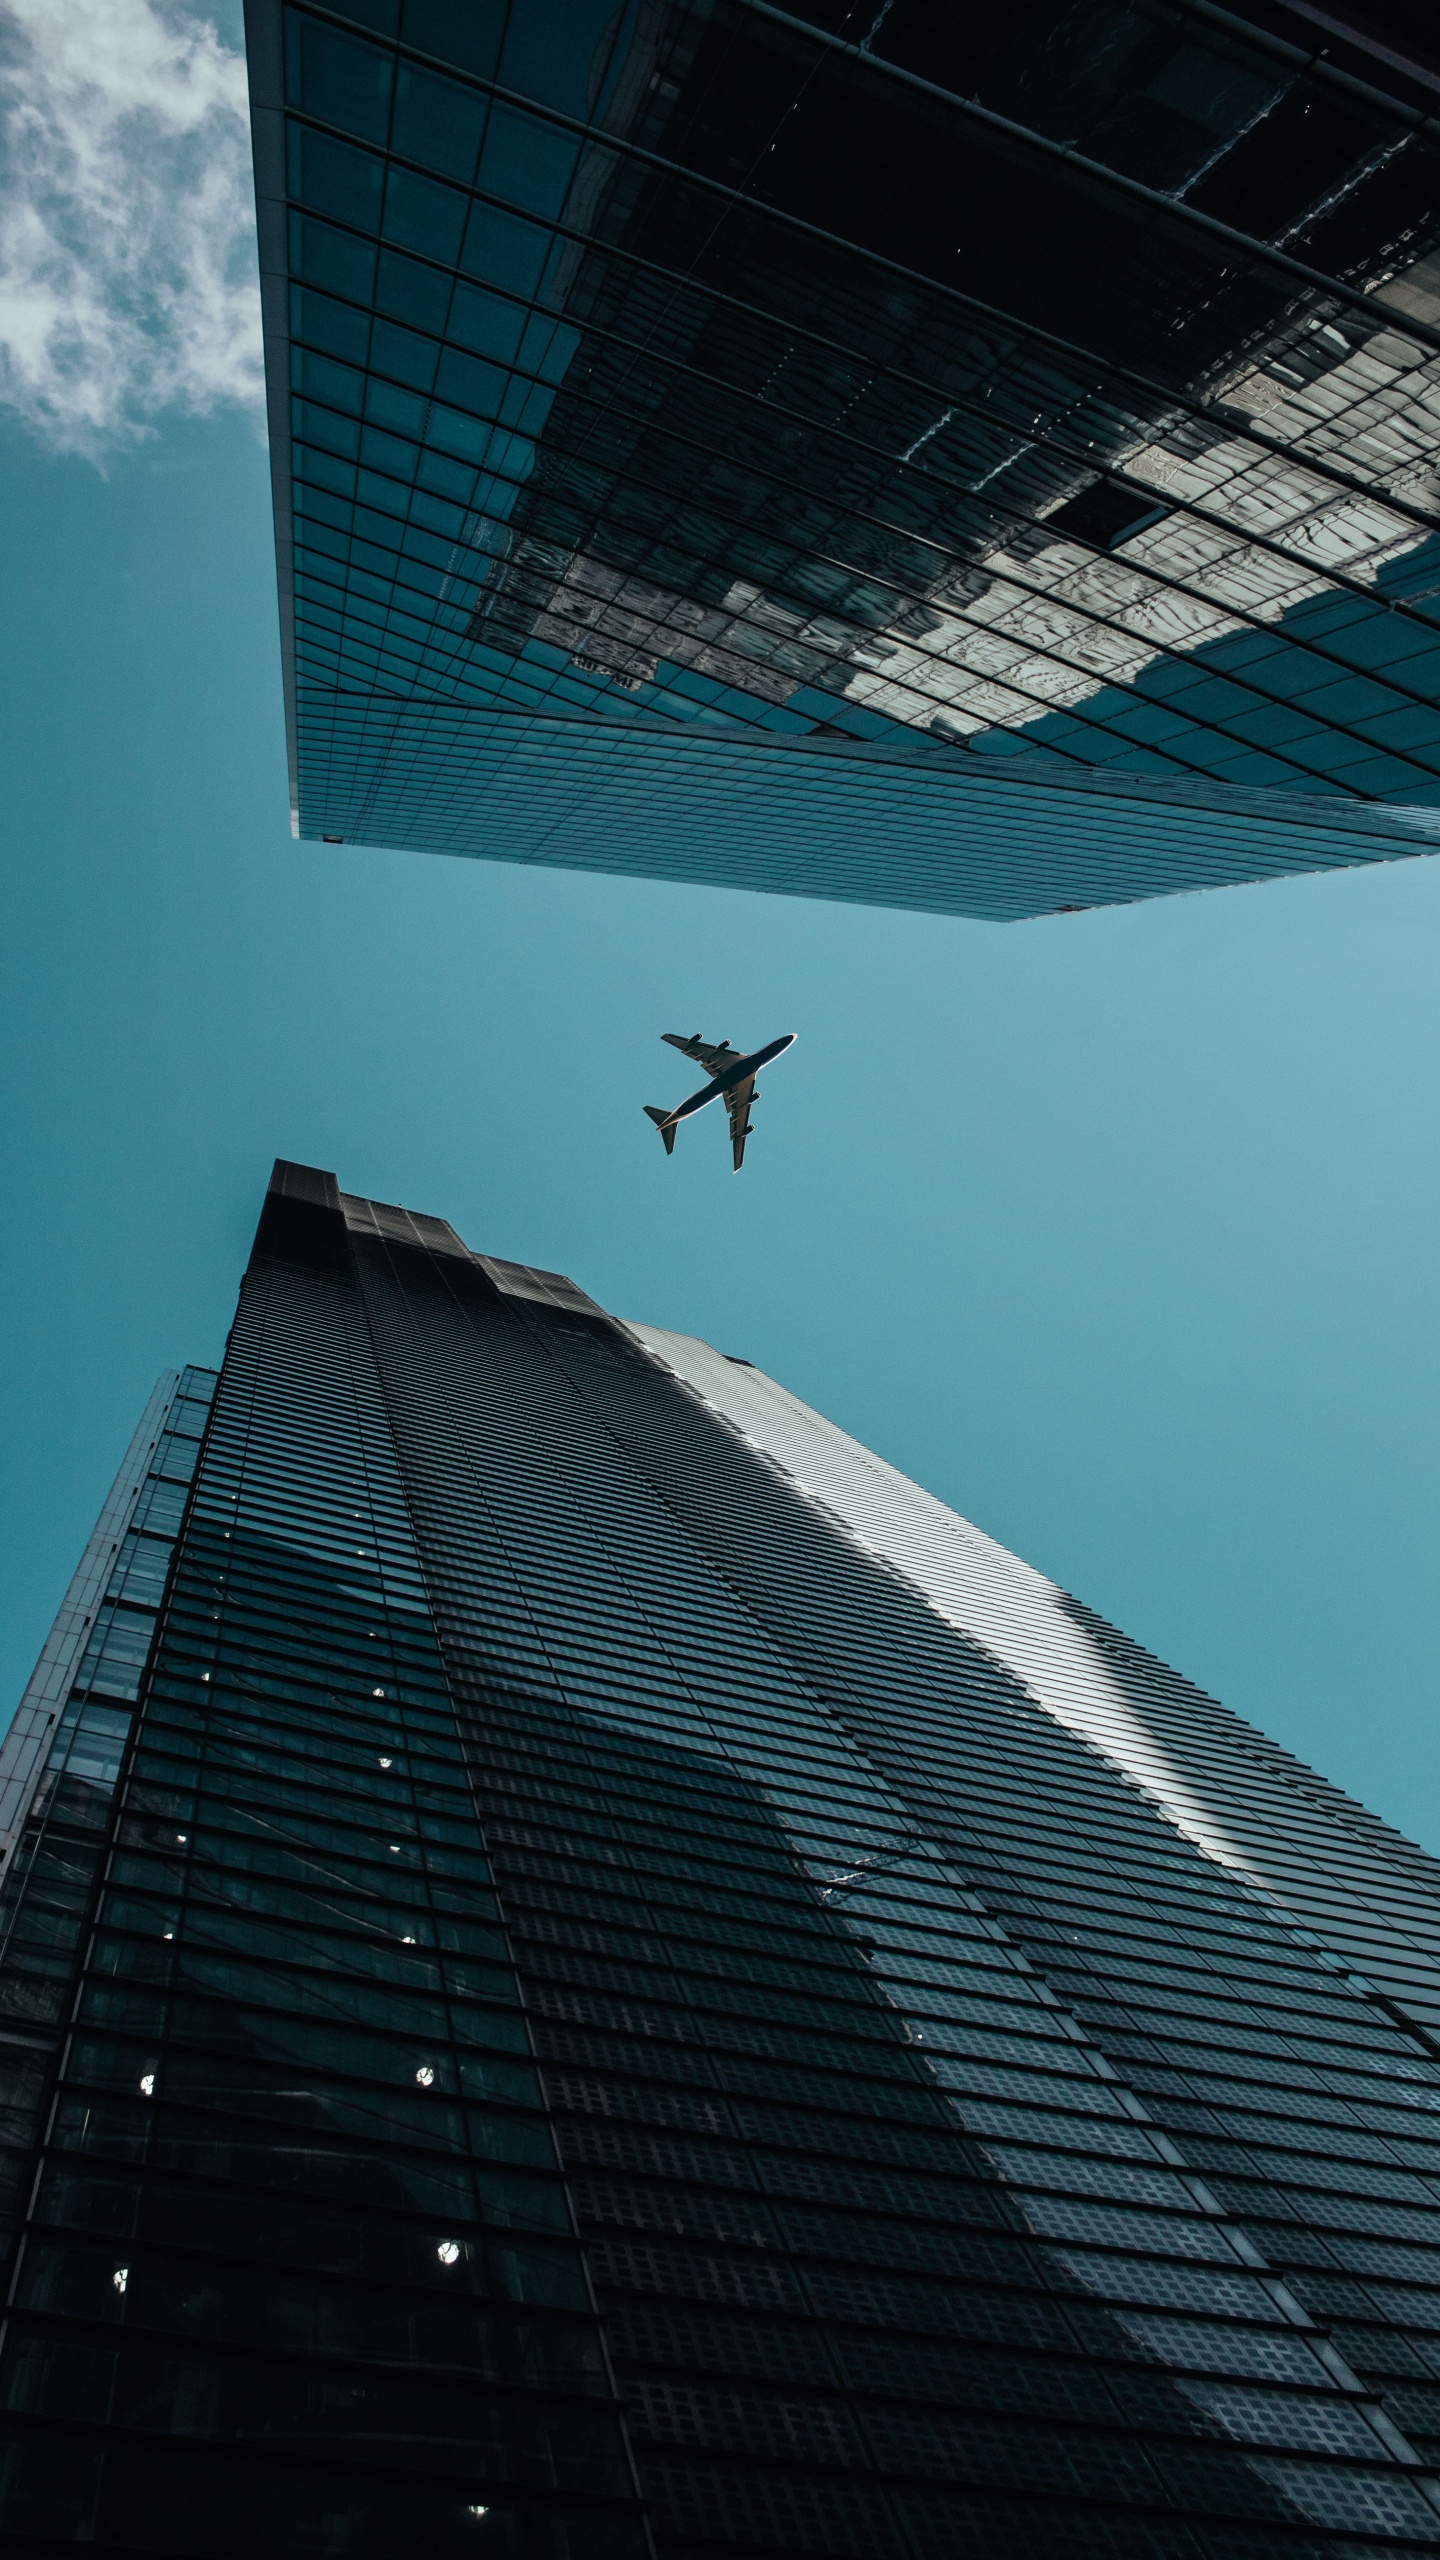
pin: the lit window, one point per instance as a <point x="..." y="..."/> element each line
<point x="426" y="2075"/>
<point x="407" y="1942"/>
<point x="120" y="2279"/>
<point x="384" y="1763"/>
<point x="182" y="1837"/>
<point x="394" y="1848"/>
<point x="169" y="1933"/>
<point x="477" y="2512"/>
<point x="448" y="2252"/>
<point x="377" y="1693"/>
<point x="147" y="2084"/>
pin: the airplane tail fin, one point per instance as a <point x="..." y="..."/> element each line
<point x="664" y="1124"/>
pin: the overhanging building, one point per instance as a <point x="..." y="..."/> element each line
<point x="588" y="1971"/>
<point x="965" y="458"/>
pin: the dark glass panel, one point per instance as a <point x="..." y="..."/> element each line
<point x="422" y="215"/>
<point x="337" y="80"/>
<point x="334" y="178"/>
<point x="437" y="122"/>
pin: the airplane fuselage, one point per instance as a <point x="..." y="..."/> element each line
<point x="743" y="1067"/>
<point x="733" y="1074"/>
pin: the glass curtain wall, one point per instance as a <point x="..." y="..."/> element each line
<point x="598" y="2023"/>
<point x="988" y="455"/>
<point x="961" y="2157"/>
<point x="62" y="1756"/>
<point x="299" y="2270"/>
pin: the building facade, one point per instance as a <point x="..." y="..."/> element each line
<point x="958" y="458"/>
<point x="587" y="1971"/>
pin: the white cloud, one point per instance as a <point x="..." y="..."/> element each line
<point x="127" y="260"/>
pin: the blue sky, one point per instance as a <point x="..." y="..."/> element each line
<point x="1118" y="1231"/>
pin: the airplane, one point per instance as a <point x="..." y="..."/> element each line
<point x="731" y="1073"/>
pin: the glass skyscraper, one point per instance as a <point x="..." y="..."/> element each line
<point x="963" y="457"/>
<point x="587" y="1971"/>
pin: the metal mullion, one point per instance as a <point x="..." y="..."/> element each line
<point x="1342" y="580"/>
<point x="1160" y="578"/>
<point x="402" y="523"/>
<point x="1011" y="685"/>
<point x="759" y="728"/>
<point x="1047" y="440"/>
<point x="1029" y="330"/>
<point x="351" y="599"/>
<point x="1339" y="581"/>
<point x="532" y="1335"/>
<point x="1314" y="65"/>
<point x="1260" y="253"/>
<point x="1103" y="622"/>
<point x="339" y="703"/>
<point x="1051" y="442"/>
<point x="1061" y="349"/>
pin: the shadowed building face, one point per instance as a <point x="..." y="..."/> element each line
<point x="590" y="1975"/>
<point x="979" y="459"/>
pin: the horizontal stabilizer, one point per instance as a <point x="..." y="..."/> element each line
<point x="664" y="1124"/>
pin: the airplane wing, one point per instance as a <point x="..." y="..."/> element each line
<point x="706" y="1053"/>
<point x="739" y="1099"/>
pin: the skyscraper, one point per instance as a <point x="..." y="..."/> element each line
<point x="964" y="458"/>
<point x="590" y="1972"/>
